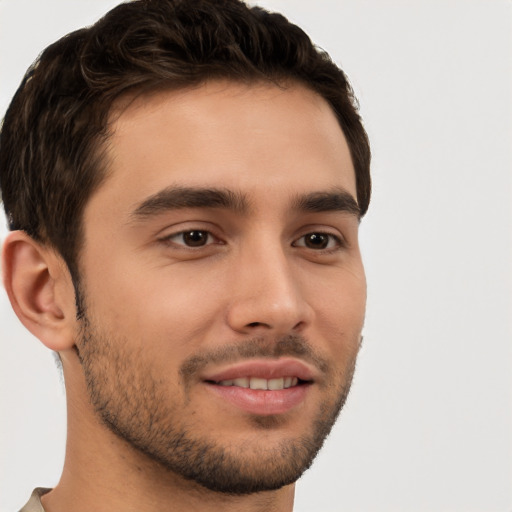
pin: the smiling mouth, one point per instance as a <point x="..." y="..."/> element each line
<point x="275" y="384"/>
<point x="262" y="386"/>
<point x="260" y="396"/>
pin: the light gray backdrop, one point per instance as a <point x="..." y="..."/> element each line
<point x="428" y="426"/>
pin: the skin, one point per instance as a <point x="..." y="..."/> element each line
<point x="156" y="302"/>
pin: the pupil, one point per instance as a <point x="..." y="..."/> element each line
<point x="195" y="238"/>
<point x="317" y="241"/>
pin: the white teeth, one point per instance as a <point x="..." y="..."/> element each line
<point x="242" y="382"/>
<point x="258" y="383"/>
<point x="276" y="384"/>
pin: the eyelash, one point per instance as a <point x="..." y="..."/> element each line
<point x="339" y="243"/>
<point x="169" y="239"/>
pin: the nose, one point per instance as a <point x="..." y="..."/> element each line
<point x="268" y="296"/>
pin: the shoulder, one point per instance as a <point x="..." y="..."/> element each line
<point x="34" y="503"/>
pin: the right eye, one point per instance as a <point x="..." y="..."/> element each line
<point x="191" y="238"/>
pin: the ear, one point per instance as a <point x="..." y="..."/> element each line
<point x="40" y="289"/>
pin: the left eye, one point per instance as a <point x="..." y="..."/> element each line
<point x="318" y="241"/>
<point x="192" y="238"/>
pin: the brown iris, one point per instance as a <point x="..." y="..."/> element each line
<point x="195" y="238"/>
<point x="316" y="241"/>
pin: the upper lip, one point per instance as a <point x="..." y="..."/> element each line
<point x="263" y="369"/>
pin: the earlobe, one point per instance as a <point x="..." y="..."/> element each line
<point x="40" y="290"/>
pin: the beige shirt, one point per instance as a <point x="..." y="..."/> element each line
<point x="34" y="503"/>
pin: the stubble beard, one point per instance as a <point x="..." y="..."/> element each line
<point x="132" y="404"/>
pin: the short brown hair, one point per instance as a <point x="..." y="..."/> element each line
<point x="57" y="122"/>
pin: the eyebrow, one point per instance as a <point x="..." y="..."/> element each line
<point x="336" y="200"/>
<point x="175" y="198"/>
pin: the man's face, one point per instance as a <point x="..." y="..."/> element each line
<point x="222" y="252"/>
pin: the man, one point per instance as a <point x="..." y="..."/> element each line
<point x="184" y="183"/>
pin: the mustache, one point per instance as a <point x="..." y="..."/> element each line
<point x="262" y="347"/>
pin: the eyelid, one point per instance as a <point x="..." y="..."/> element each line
<point x="212" y="238"/>
<point x="339" y="240"/>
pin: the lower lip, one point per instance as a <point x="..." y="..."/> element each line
<point x="262" y="402"/>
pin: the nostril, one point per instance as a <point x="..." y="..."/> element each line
<point x="255" y="324"/>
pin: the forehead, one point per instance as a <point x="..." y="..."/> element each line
<point x="259" y="138"/>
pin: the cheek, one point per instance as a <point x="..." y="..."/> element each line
<point x="341" y="295"/>
<point x="157" y="304"/>
<point x="340" y="310"/>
